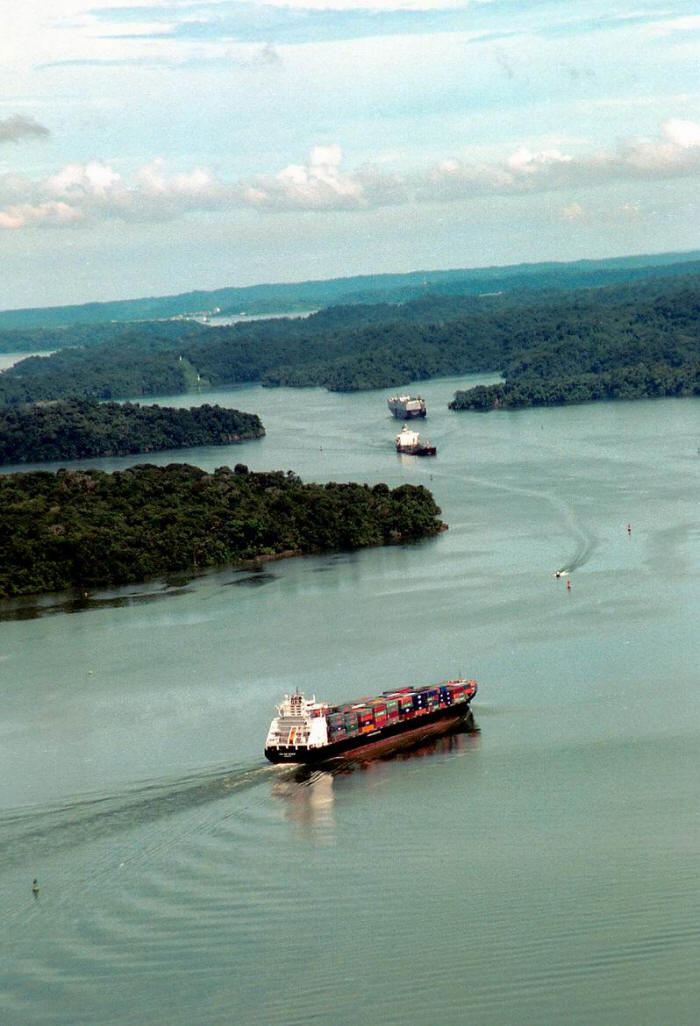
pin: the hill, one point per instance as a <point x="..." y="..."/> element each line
<point x="379" y="288"/>
<point x="536" y="336"/>
<point x="640" y="348"/>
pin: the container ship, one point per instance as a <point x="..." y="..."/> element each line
<point x="407" y="406"/>
<point x="409" y="442"/>
<point x="311" y="733"/>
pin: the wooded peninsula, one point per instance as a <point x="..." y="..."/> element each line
<point x="84" y="529"/>
<point x="632" y="339"/>
<point x="79" y="428"/>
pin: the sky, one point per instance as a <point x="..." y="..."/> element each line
<point x="149" y="148"/>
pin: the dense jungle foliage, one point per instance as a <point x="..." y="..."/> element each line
<point x="631" y="351"/>
<point x="532" y="339"/>
<point x="34" y="340"/>
<point x="77" y="428"/>
<point x="85" y="528"/>
<point x="646" y="381"/>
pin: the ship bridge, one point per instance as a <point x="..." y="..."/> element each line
<point x="299" y="722"/>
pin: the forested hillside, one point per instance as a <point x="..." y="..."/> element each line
<point x="539" y="342"/>
<point x="34" y="340"/>
<point x="83" y="529"/>
<point x="362" y="289"/>
<point x="80" y="428"/>
<point x="634" y="350"/>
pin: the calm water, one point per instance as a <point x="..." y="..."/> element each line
<point x="544" y="871"/>
<point x="8" y="359"/>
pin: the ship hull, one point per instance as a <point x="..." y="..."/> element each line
<point x="379" y="741"/>
<point x="421" y="450"/>
<point x="401" y="413"/>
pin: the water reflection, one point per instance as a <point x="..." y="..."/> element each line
<point x="336" y="560"/>
<point x="309" y="793"/>
<point x="32" y="607"/>
<point x="458" y="740"/>
<point x="256" y="577"/>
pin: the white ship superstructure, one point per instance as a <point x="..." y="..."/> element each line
<point x="407" y="406"/>
<point x="299" y="723"/>
<point x="409" y="441"/>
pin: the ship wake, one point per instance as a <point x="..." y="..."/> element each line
<point x="33" y="832"/>
<point x="584" y="539"/>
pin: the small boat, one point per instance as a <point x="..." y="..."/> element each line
<point x="406" y="406"/>
<point x="409" y="442"/>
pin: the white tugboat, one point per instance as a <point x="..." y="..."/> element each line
<point x="406" y="406"/>
<point x="408" y="441"/>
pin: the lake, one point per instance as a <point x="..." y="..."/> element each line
<point x="541" y="871"/>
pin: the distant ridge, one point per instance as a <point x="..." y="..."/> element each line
<point x="376" y="288"/>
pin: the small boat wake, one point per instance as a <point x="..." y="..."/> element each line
<point x="586" y="544"/>
<point x="584" y="538"/>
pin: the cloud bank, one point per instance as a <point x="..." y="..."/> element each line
<point x="18" y="127"/>
<point x="299" y="22"/>
<point x="82" y="194"/>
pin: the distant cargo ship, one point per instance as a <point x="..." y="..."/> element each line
<point x="309" y="732"/>
<point x="406" y="406"/>
<point x="409" y="442"/>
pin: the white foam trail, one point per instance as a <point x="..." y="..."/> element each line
<point x="585" y="540"/>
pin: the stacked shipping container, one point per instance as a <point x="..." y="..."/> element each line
<point x="393" y="707"/>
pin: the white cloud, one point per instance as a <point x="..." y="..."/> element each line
<point x="678" y="150"/>
<point x="320" y="185"/>
<point x="523" y="162"/>
<point x="84" y="193"/>
<point x="154" y="180"/>
<point x="375" y="5"/>
<point x="51" y="213"/>
<point x="675" y="154"/>
<point x="80" y="180"/>
<point x="669" y="26"/>
<point x="682" y="133"/>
